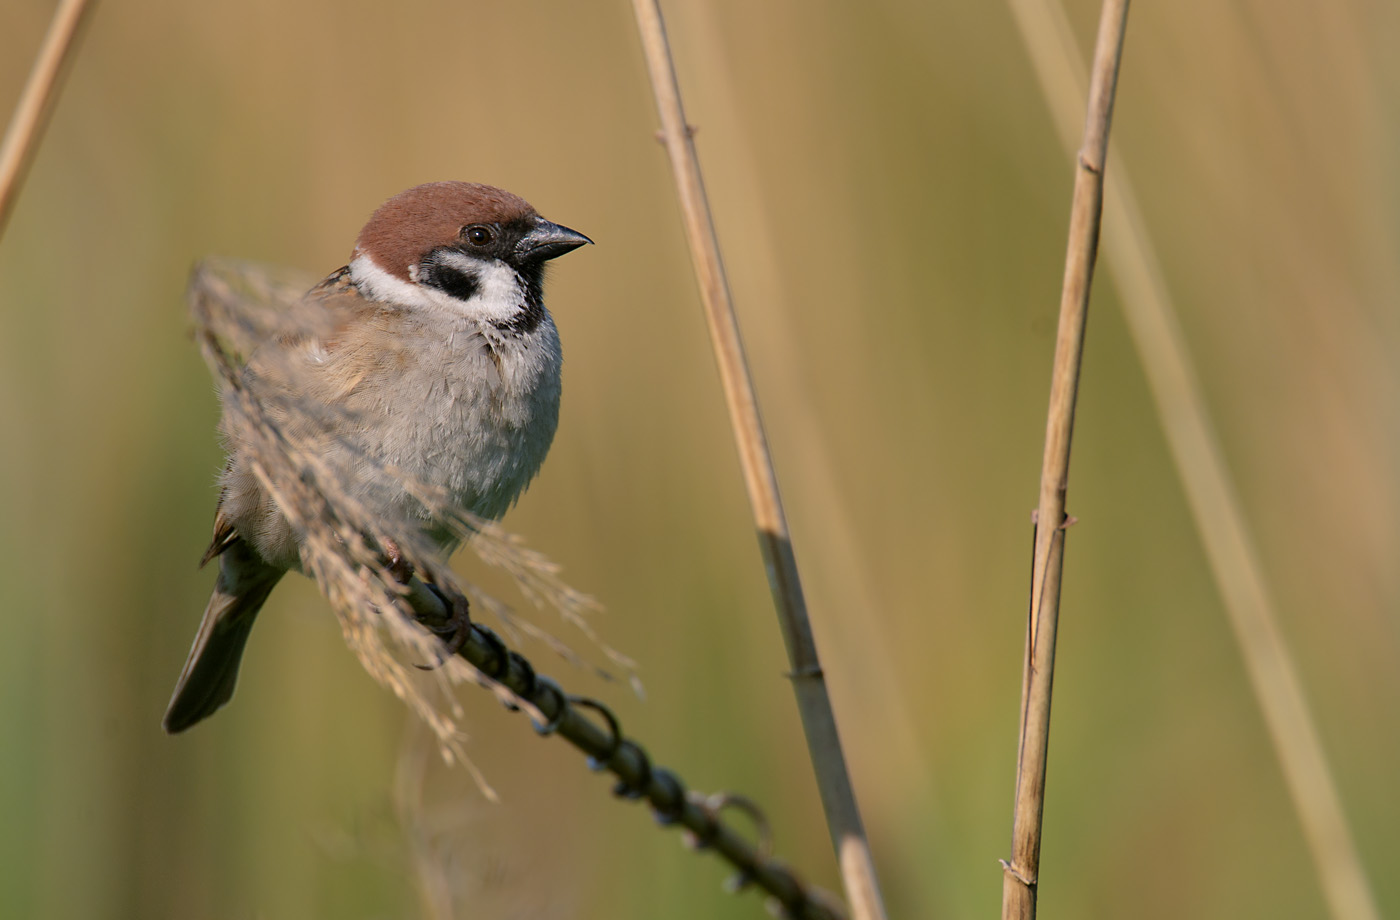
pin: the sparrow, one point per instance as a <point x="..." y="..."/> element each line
<point x="433" y="356"/>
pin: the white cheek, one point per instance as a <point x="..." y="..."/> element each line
<point x="499" y="297"/>
<point x="377" y="284"/>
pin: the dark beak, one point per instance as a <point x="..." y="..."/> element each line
<point x="549" y="241"/>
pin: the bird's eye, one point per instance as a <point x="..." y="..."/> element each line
<point x="478" y="236"/>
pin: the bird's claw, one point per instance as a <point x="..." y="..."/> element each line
<point x="459" y="625"/>
<point x="397" y="566"/>
<point x="457" y="629"/>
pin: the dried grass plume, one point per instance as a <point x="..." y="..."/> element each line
<point x="236" y="306"/>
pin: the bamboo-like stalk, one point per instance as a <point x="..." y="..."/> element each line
<point x="1020" y="878"/>
<point x="814" y="703"/>
<point x="1210" y="491"/>
<point x="37" y="101"/>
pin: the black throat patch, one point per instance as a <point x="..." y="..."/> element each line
<point x="531" y="280"/>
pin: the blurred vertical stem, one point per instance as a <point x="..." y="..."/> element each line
<point x="1021" y="875"/>
<point x="1210" y="491"/>
<point x="37" y="101"/>
<point x="813" y="702"/>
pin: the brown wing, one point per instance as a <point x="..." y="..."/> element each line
<point x="224" y="536"/>
<point x="305" y="361"/>
<point x="318" y="319"/>
<point x="287" y="371"/>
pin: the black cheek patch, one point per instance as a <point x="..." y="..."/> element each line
<point x="463" y="285"/>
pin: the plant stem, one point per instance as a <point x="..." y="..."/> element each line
<point x="638" y="778"/>
<point x="37" y="101"/>
<point x="1021" y="875"/>
<point x="814" y="703"/>
<point x="1214" y="501"/>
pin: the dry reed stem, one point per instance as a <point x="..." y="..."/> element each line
<point x="37" y="100"/>
<point x="867" y="642"/>
<point x="813" y="701"/>
<point x="1214" y="502"/>
<point x="1020" y="878"/>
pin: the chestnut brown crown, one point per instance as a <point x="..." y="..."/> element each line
<point x="425" y="217"/>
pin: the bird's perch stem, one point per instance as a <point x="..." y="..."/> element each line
<point x="814" y="703"/>
<point x="1020" y="878"/>
<point x="37" y="101"/>
<point x="638" y="778"/>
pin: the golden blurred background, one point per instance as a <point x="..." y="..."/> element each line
<point x="892" y="202"/>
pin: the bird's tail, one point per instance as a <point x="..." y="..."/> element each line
<point x="211" y="672"/>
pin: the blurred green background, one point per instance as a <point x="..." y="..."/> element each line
<point x="892" y="203"/>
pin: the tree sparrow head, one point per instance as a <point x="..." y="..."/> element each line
<point x="471" y="250"/>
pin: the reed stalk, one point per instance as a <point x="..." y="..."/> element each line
<point x="37" y="101"/>
<point x="813" y="701"/>
<point x="1214" y="501"/>
<point x="1020" y="878"/>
